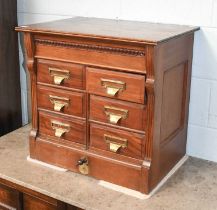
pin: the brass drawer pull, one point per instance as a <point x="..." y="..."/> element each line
<point x="59" y="75"/>
<point x="59" y="102"/>
<point x="113" y="86"/>
<point x="115" y="143"/>
<point x="115" y="114"/>
<point x="60" y="128"/>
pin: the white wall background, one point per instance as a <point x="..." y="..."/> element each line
<point x="202" y="133"/>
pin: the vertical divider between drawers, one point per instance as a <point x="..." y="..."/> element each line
<point x="87" y="98"/>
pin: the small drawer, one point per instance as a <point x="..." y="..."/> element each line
<point x="116" y="140"/>
<point x="61" y="73"/>
<point x="129" y="87"/>
<point x="116" y="112"/>
<point x="61" y="101"/>
<point x="62" y="129"/>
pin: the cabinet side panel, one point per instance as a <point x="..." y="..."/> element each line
<point x="174" y="123"/>
<point x="173" y="62"/>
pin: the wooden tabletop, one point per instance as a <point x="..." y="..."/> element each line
<point x="135" y="31"/>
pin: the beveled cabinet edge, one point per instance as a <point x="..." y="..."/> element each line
<point x="27" y="28"/>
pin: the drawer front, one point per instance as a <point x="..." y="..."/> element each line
<point x="110" y="170"/>
<point x="61" y="74"/>
<point x="9" y="198"/>
<point x="117" y="112"/>
<point x="62" y="129"/>
<point x="123" y="57"/>
<point x="116" y="141"/>
<point x="61" y="101"/>
<point x="118" y="85"/>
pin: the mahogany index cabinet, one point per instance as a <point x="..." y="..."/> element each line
<point x="110" y="97"/>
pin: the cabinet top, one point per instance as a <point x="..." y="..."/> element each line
<point x="123" y="30"/>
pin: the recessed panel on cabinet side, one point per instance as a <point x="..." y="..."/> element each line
<point x="174" y="92"/>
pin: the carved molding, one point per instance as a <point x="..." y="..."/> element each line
<point x="30" y="51"/>
<point x="150" y="82"/>
<point x="30" y="65"/>
<point x="122" y="51"/>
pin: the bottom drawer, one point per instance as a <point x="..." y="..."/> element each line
<point x="116" y="140"/>
<point x="62" y="129"/>
<point x="118" y="172"/>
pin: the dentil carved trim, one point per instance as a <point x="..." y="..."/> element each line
<point x="99" y="48"/>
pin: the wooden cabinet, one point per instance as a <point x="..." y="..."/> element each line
<point x="10" y="96"/>
<point x="110" y="98"/>
<point x="15" y="197"/>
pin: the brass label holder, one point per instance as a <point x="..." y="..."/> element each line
<point x="115" y="114"/>
<point x="60" y="128"/>
<point x="112" y="86"/>
<point x="115" y="143"/>
<point x="59" y="102"/>
<point x="59" y="75"/>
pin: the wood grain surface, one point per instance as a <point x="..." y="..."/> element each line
<point x="129" y="83"/>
